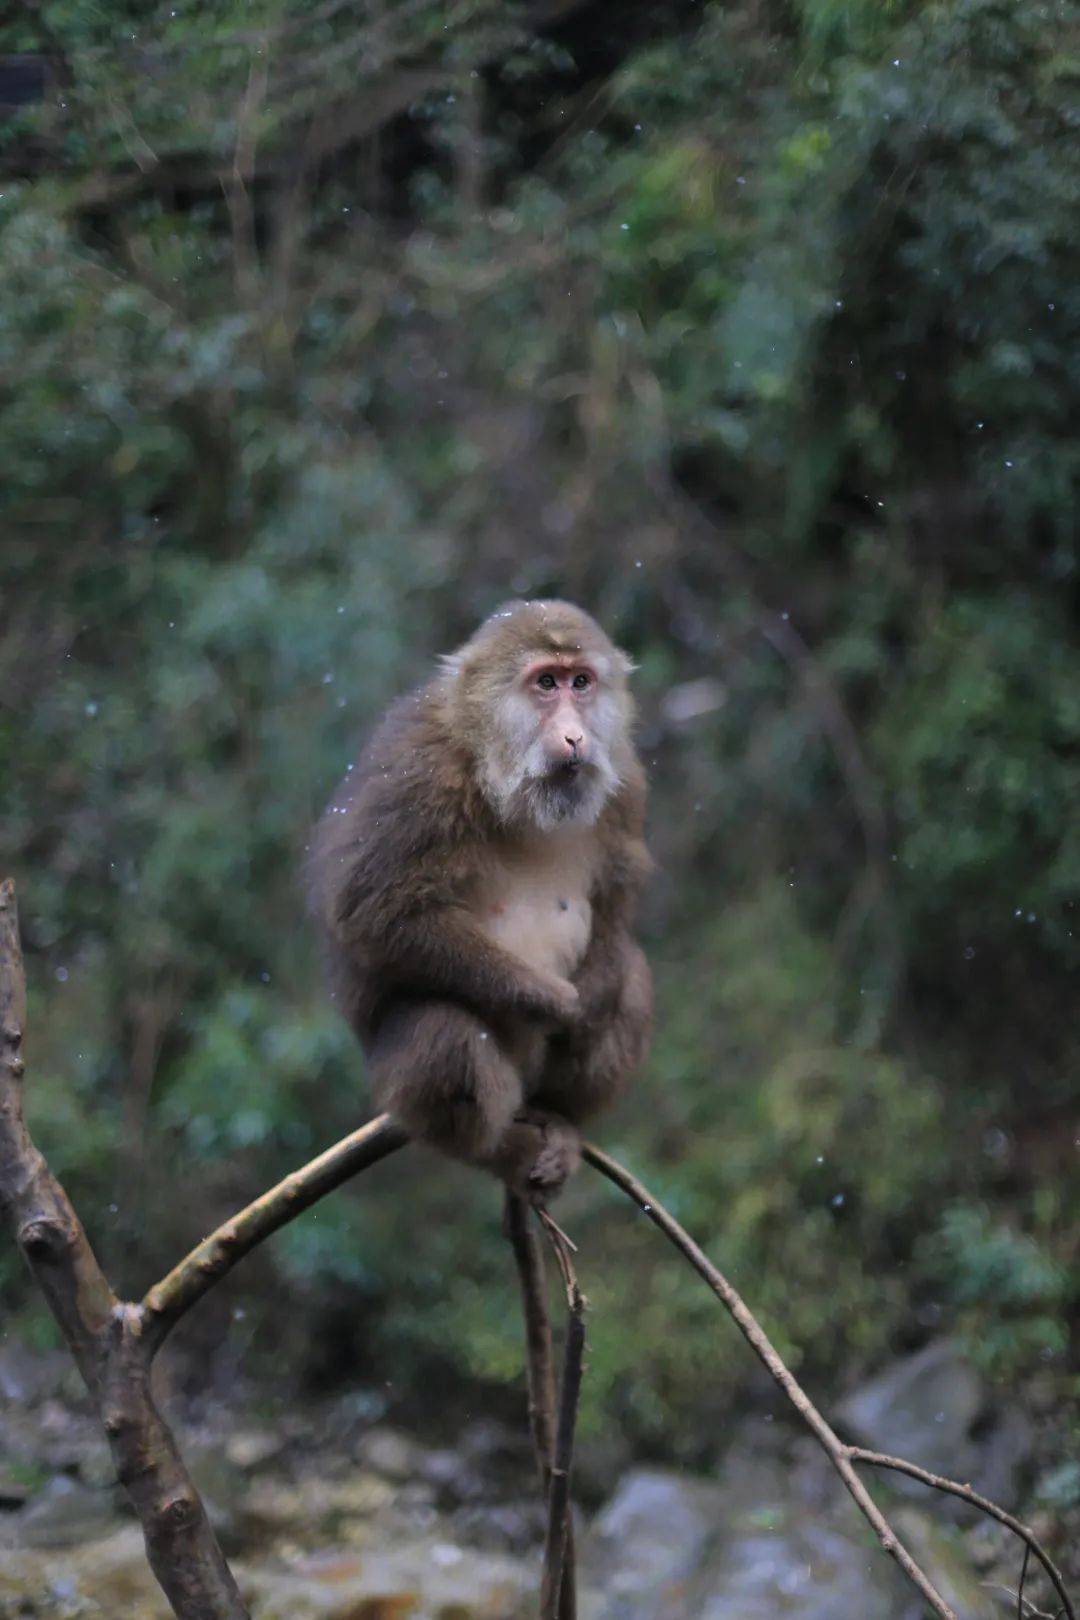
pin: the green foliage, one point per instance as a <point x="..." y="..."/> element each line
<point x="1010" y="1294"/>
<point x="758" y="332"/>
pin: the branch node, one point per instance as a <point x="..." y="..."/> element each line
<point x="42" y="1239"/>
<point x="179" y="1513"/>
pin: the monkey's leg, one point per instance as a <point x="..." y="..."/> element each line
<point x="446" y="1076"/>
<point x="438" y="1069"/>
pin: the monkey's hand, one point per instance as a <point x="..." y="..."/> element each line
<point x="538" y="1154"/>
<point x="563" y="1004"/>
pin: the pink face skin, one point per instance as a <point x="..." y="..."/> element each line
<point x="562" y="694"/>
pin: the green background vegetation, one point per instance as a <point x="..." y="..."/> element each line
<point x="756" y="329"/>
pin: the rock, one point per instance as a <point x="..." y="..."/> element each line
<point x="220" y="1484"/>
<point x="933" y="1409"/>
<point x="64" y="1514"/>
<point x="645" y="1548"/>
<point x="28" y="1376"/>
<point x="747" y="1548"/>
<point x="108" y="1577"/>
<point x="800" y="1567"/>
<point x="17" y="1486"/>
<point x="753" y="1546"/>
<point x="429" y="1579"/>
<point x="939" y="1552"/>
<point x="922" y="1407"/>
<point x="278" y="1506"/>
<point x="251" y="1448"/>
<point x="387" y="1452"/>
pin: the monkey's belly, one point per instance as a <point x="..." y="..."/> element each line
<point x="547" y="925"/>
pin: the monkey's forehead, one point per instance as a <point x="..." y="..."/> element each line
<point x="519" y="633"/>
<point x="546" y="626"/>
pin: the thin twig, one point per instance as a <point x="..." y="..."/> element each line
<point x="558" y="1545"/>
<point x="759" y="1342"/>
<point x="878" y="1459"/>
<point x="1023" y="1578"/>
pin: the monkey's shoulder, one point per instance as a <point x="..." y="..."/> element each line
<point x="624" y="857"/>
<point x="411" y="768"/>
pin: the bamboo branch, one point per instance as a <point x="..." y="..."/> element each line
<point x="105" y="1337"/>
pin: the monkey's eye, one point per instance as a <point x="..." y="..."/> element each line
<point x="580" y="682"/>
<point x="546" y="683"/>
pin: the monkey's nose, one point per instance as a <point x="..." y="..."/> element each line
<point x="575" y="742"/>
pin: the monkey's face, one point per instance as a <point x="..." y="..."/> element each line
<point x="539" y="698"/>
<point x="550" y="756"/>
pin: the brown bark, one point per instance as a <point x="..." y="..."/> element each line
<point x="558" y="1584"/>
<point x="216" y="1255"/>
<point x="540" y="1374"/>
<point x="105" y="1336"/>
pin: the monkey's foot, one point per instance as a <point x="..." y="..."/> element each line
<point x="538" y="1154"/>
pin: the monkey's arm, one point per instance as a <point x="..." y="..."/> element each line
<point x="588" y="1066"/>
<point x="395" y="863"/>
<point x="441" y="951"/>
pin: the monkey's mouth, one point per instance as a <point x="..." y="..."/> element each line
<point x="568" y="773"/>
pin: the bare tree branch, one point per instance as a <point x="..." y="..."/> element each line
<point x="558" y="1543"/>
<point x="217" y="1254"/>
<point x="105" y="1336"/>
<point x="878" y="1459"/>
<point x="763" y="1348"/>
<point x="540" y="1371"/>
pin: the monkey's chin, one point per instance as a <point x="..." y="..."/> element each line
<point x="562" y="797"/>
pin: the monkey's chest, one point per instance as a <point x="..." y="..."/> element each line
<point x="539" y="908"/>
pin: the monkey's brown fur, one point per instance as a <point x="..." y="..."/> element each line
<point x="418" y="863"/>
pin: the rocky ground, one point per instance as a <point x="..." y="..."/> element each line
<point x="328" y="1513"/>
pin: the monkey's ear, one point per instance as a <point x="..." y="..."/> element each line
<point x="624" y="663"/>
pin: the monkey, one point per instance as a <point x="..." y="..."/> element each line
<point x="476" y="878"/>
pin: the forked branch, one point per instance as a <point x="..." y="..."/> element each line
<point x="104" y="1335"/>
<point x="843" y="1457"/>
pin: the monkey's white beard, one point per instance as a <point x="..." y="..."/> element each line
<point x="531" y="792"/>
<point x="555" y="801"/>
<point x="517" y="776"/>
